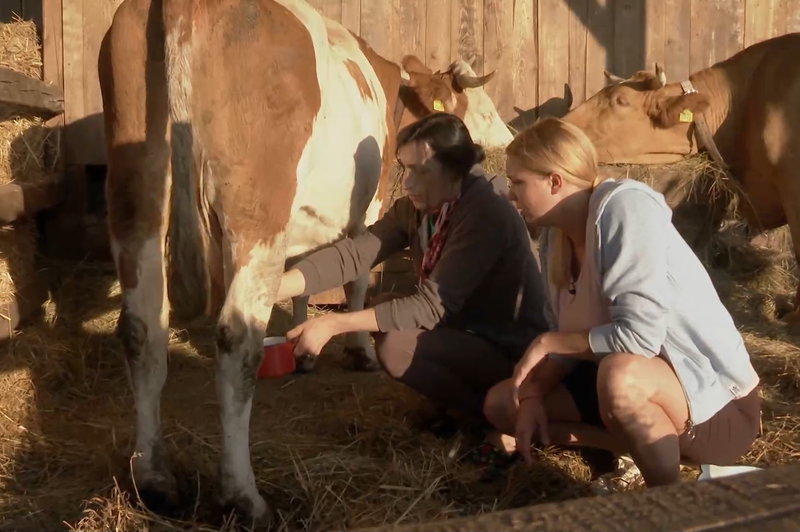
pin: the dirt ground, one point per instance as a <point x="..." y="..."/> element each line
<point x="332" y="450"/>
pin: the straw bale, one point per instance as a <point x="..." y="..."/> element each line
<point x="22" y="147"/>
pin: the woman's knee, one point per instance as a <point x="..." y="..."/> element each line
<point x="621" y="386"/>
<point x="392" y="352"/>
<point x="497" y="407"/>
<point x="628" y="385"/>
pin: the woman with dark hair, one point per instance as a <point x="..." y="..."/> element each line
<point x="478" y="303"/>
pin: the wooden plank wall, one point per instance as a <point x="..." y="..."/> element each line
<point x="26" y="9"/>
<point x="537" y="46"/>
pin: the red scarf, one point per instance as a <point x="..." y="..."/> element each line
<point x="436" y="241"/>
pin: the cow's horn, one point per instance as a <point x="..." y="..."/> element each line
<point x="662" y="77"/>
<point x="612" y="78"/>
<point x="471" y="82"/>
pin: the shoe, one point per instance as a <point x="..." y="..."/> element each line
<point x="626" y="477"/>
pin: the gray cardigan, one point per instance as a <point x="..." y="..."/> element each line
<point x="661" y="298"/>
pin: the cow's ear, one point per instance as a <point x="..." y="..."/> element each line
<point x="412" y="63"/>
<point x="679" y="109"/>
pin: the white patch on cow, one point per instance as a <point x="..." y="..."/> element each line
<point x="248" y="305"/>
<point x="148" y="303"/>
<point x="347" y="139"/>
<point x="481" y="118"/>
<point x="347" y="127"/>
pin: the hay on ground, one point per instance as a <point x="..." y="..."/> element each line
<point x="22" y="148"/>
<point x="331" y="450"/>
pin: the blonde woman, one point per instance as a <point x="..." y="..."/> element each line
<point x="662" y="372"/>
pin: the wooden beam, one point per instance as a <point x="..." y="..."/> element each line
<point x="27" y="199"/>
<point x="761" y="500"/>
<point x="22" y="95"/>
<point x="28" y="299"/>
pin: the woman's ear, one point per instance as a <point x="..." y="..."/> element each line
<point x="556" y="182"/>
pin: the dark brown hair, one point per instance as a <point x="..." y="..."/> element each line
<point x="449" y="140"/>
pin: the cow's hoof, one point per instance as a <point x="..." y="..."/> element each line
<point x="360" y="360"/>
<point x="305" y="363"/>
<point x="157" y="491"/>
<point x="252" y="508"/>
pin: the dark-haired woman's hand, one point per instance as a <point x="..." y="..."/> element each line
<point x="311" y="336"/>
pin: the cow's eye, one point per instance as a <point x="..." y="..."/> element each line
<point x="621" y="101"/>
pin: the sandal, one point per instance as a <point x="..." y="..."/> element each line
<point x="496" y="461"/>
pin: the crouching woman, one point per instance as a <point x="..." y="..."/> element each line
<point x="478" y="303"/>
<point x="641" y="356"/>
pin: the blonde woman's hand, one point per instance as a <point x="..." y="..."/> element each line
<point x="533" y="356"/>
<point x="531" y="422"/>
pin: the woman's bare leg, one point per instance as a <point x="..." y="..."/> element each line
<point x="643" y="404"/>
<point x="564" y="419"/>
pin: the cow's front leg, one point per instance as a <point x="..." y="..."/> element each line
<point x="143" y="329"/>
<point x="240" y="333"/>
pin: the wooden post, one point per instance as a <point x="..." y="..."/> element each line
<point x="63" y="225"/>
<point x="760" y="500"/>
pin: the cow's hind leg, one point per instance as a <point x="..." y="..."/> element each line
<point x="143" y="329"/>
<point x="240" y="332"/>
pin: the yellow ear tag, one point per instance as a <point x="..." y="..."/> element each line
<point x="686" y="116"/>
<point x="438" y="105"/>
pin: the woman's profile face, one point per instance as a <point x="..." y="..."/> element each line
<point x="425" y="181"/>
<point x="534" y="194"/>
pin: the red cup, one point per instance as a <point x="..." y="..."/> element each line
<point x="278" y="358"/>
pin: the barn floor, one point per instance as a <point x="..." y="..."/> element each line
<point x="333" y="450"/>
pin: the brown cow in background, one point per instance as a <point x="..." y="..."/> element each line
<point x="745" y="111"/>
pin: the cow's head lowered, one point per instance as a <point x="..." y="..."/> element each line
<point x="641" y="120"/>
<point x="457" y="90"/>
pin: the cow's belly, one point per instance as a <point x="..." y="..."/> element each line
<point x="339" y="170"/>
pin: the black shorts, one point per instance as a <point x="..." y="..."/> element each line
<point x="581" y="383"/>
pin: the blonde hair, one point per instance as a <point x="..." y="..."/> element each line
<point x="553" y="145"/>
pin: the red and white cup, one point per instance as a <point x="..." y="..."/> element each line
<point x="278" y="358"/>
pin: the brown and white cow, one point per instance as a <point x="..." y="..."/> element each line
<point x="240" y="134"/>
<point x="746" y="107"/>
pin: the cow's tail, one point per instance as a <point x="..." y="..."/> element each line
<point x="188" y="237"/>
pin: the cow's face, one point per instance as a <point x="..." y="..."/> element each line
<point x="642" y="120"/>
<point x="429" y="92"/>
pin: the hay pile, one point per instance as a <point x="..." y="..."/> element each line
<point x="22" y="144"/>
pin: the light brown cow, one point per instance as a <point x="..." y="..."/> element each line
<point x="240" y="134"/>
<point x="750" y="105"/>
